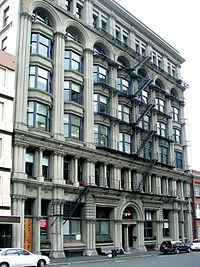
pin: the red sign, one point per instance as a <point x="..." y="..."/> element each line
<point x="43" y="223"/>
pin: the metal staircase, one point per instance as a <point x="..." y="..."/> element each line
<point x="146" y="138"/>
<point x="146" y="174"/>
<point x="143" y="60"/>
<point x="145" y="110"/>
<point x="143" y="84"/>
<point x="71" y="205"/>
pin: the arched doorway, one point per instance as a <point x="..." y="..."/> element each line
<point x="129" y="228"/>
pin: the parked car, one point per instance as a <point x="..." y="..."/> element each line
<point x="195" y="244"/>
<point x="174" y="247"/>
<point x="16" y="257"/>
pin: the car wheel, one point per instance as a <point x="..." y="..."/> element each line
<point x="4" y="264"/>
<point x="189" y="250"/>
<point x="41" y="263"/>
<point x="177" y="251"/>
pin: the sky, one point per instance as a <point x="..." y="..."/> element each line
<point x="178" y="23"/>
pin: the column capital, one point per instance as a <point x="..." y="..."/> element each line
<point x="26" y="15"/>
<point x="60" y="34"/>
<point x="88" y="51"/>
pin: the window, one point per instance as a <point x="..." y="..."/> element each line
<point x="66" y="169"/>
<point x="124" y="113"/>
<point x="41" y="45"/>
<point x="103" y="25"/>
<point x="38" y="116"/>
<point x="166" y="223"/>
<point x="5" y="16"/>
<point x="79" y="11"/>
<point x="72" y="92"/>
<point x="67" y="4"/>
<point x="198" y="211"/>
<point x="148" y="225"/>
<point x="72" y="61"/>
<point x="177" y="136"/>
<point x="100" y="74"/>
<point x="162" y="129"/>
<point x="145" y="122"/>
<point x="117" y="34"/>
<point x="100" y="103"/>
<point x="178" y="160"/>
<point x="40" y="78"/>
<point x="101" y="133"/>
<point x="4" y="43"/>
<point x="125" y="142"/>
<point x="72" y="36"/>
<point x="97" y="174"/>
<point x="147" y="150"/>
<point x="163" y="154"/>
<point x="125" y="39"/>
<point x="29" y="164"/>
<point x="160" y="105"/>
<point x="144" y="95"/>
<point x="123" y="85"/>
<point x="39" y="16"/>
<point x="95" y="21"/>
<point x="72" y="126"/>
<point x="1" y="111"/>
<point x="175" y="114"/>
<point x="197" y="190"/>
<point x="45" y="166"/>
<point x="2" y="77"/>
<point x="102" y="224"/>
<point x="1" y="143"/>
<point x="72" y="228"/>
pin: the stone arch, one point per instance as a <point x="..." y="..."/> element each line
<point x="174" y="92"/>
<point x="159" y="83"/>
<point x="101" y="48"/>
<point x="125" y="60"/>
<point x="105" y="45"/>
<point x="135" y="207"/>
<point x="49" y="11"/>
<point x="80" y="30"/>
<point x="142" y="72"/>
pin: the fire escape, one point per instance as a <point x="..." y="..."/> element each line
<point x="71" y="205"/>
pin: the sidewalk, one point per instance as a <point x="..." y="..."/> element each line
<point x="99" y="258"/>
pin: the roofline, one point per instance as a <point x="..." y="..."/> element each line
<point x="155" y="35"/>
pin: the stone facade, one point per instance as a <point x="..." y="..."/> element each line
<point x="195" y="191"/>
<point x="99" y="149"/>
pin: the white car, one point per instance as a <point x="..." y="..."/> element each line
<point x="195" y="244"/>
<point x="16" y="257"/>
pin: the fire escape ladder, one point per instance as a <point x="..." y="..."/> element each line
<point x="146" y="138"/>
<point x="144" y="112"/>
<point x="70" y="206"/>
<point x="146" y="174"/>
<point x="142" y="85"/>
<point x="143" y="60"/>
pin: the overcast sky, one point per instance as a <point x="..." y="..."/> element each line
<point x="178" y="23"/>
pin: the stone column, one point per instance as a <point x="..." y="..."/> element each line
<point x="23" y="71"/>
<point x="75" y="182"/>
<point x="184" y="139"/>
<point x="188" y="223"/>
<point x="140" y="236"/>
<point x="57" y="170"/>
<point x="73" y="6"/>
<point x="132" y="38"/>
<point x="88" y="230"/>
<point x="174" y="223"/>
<point x="88" y="135"/>
<point x="36" y="222"/>
<point x="56" y="229"/>
<point x="19" y="159"/>
<point x="158" y="185"/>
<point x="116" y="179"/>
<point x="129" y="180"/>
<point x="159" y="228"/>
<point x="105" y="183"/>
<point x="18" y="203"/>
<point x="126" y="240"/>
<point x="88" y="12"/>
<point x="181" y="224"/>
<point x="38" y="164"/>
<point x="58" y="85"/>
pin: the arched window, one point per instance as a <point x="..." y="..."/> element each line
<point x="74" y="34"/>
<point x="142" y="73"/>
<point x="174" y="93"/>
<point x="128" y="213"/>
<point x="39" y="15"/>
<point x="160" y="84"/>
<point x="123" y="62"/>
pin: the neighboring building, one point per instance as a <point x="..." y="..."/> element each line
<point x="7" y="78"/>
<point x="196" y="203"/>
<point x="99" y="147"/>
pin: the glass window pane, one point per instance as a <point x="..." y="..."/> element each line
<point x="41" y="122"/>
<point x="41" y="109"/>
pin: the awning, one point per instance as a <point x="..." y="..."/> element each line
<point x="10" y="219"/>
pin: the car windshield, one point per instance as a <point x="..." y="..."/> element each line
<point x="167" y="244"/>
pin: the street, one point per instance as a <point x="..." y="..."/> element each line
<point x="174" y="260"/>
